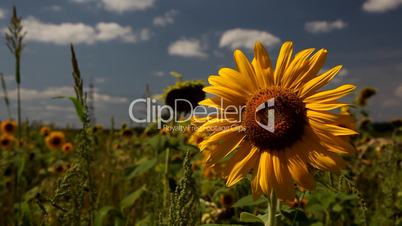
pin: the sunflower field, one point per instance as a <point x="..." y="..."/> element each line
<point x="324" y="162"/>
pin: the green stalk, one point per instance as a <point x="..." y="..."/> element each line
<point x="6" y="100"/>
<point x="272" y="207"/>
<point x="166" y="179"/>
<point x="14" y="40"/>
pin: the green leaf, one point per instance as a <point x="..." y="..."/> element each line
<point x="315" y="208"/>
<point x="317" y="224"/>
<point x="144" y="222"/>
<point x="250" y="218"/>
<point x="31" y="194"/>
<point x="79" y="109"/>
<point x="142" y="167"/>
<point x="249" y="201"/>
<point x="102" y="214"/>
<point x="129" y="200"/>
<point x="26" y="211"/>
<point x="158" y="142"/>
<point x="337" y="208"/>
<point x="21" y="162"/>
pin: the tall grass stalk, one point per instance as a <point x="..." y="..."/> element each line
<point x="14" y="40"/>
<point x="5" y="93"/>
<point x="75" y="192"/>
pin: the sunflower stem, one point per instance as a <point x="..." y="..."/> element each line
<point x="272" y="207"/>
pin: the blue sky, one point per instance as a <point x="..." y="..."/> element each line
<point x="122" y="45"/>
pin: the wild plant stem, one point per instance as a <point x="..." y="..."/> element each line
<point x="166" y="179"/>
<point x="272" y="206"/>
<point x="6" y="100"/>
<point x="19" y="135"/>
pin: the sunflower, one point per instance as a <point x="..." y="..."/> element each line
<point x="8" y="126"/>
<point x="67" y="147"/>
<point x="44" y="131"/>
<point x="127" y="133"/>
<point x="190" y="91"/>
<point x="55" y="139"/>
<point x="6" y="141"/>
<point x="275" y="150"/>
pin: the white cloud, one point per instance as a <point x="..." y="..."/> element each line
<point x="80" y="33"/>
<point x="380" y="6"/>
<point x="100" y="80"/>
<point x="398" y="91"/>
<point x="165" y="19"/>
<point x="389" y="103"/>
<point x="343" y="72"/>
<point x="2" y="13"/>
<point x="55" y="8"/>
<point x="81" y="1"/>
<point x="121" y="6"/>
<point x="9" y="78"/>
<point x="246" y="38"/>
<point x="52" y="92"/>
<point x="110" y="31"/>
<point x="187" y="48"/>
<point x="159" y="73"/>
<point x="324" y="26"/>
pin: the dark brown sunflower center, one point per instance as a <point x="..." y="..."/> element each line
<point x="9" y="128"/>
<point x="5" y="142"/>
<point x="56" y="141"/>
<point x="274" y="118"/>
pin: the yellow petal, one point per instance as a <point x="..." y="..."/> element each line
<point x="333" y="129"/>
<point x="215" y="124"/>
<point x="326" y="161"/>
<point x="298" y="65"/>
<point x="318" y="82"/>
<point x="267" y="176"/>
<point x="255" y="182"/>
<point x="245" y="68"/>
<point x="329" y="118"/>
<point x="232" y="132"/>
<point x="229" y="95"/>
<point x="330" y="95"/>
<point x="321" y="159"/>
<point x="283" y="61"/>
<point x="262" y="66"/>
<point x="284" y="189"/>
<point x="215" y="102"/>
<point x="325" y="106"/>
<point x="331" y="142"/>
<point x="243" y="167"/>
<point x="299" y="170"/>
<point x="314" y="65"/>
<point x="239" y="154"/>
<point x="228" y="83"/>
<point x="236" y="77"/>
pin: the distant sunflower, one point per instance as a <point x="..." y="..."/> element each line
<point x="304" y="131"/>
<point x="44" y="131"/>
<point x="6" y="141"/>
<point x="67" y="147"/>
<point x="127" y="133"/>
<point x="190" y="91"/>
<point x="55" y="139"/>
<point x="8" y="126"/>
<point x="97" y="128"/>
